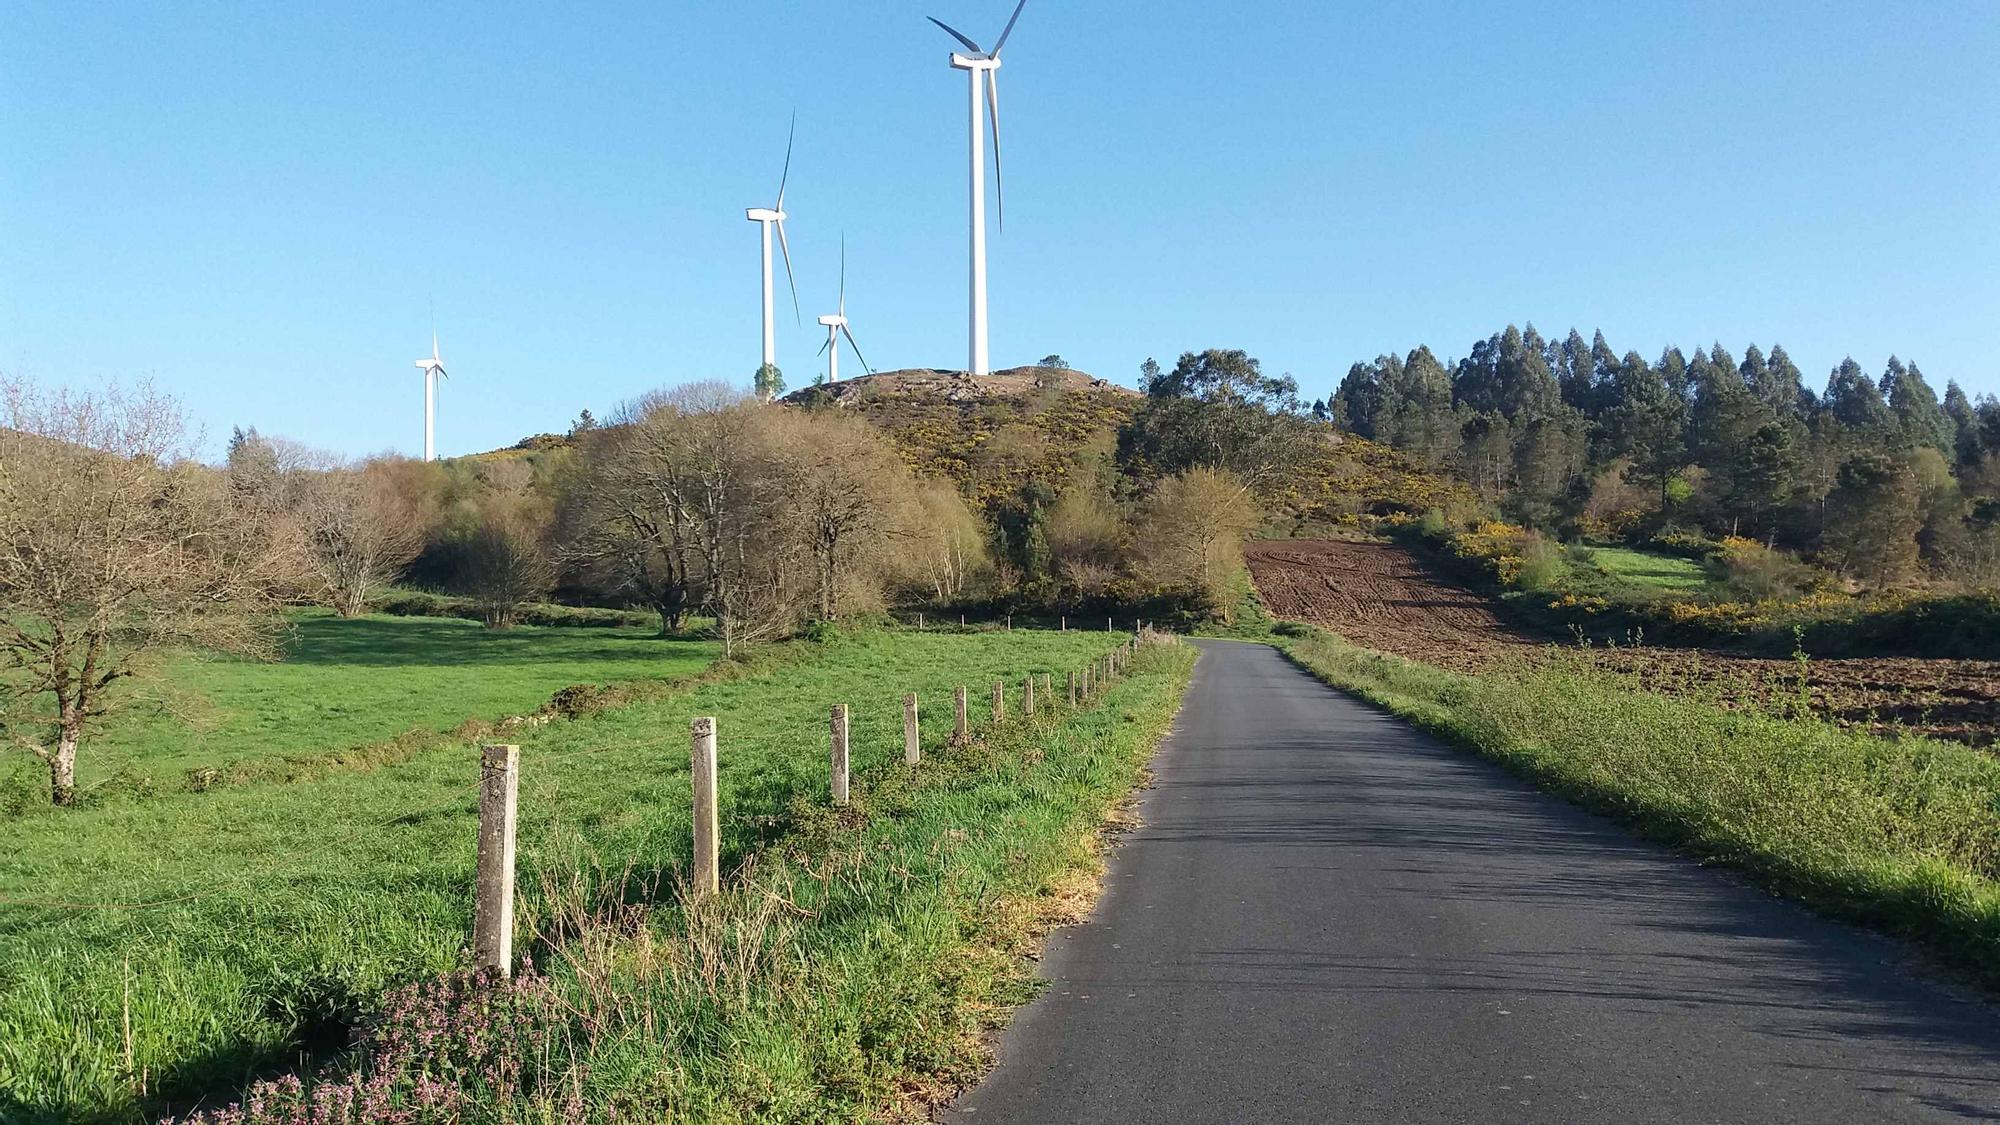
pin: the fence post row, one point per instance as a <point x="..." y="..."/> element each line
<point x="958" y="728"/>
<point x="707" y="819"/>
<point x="493" y="904"/>
<point x="837" y="752"/>
<point x="912" y="750"/>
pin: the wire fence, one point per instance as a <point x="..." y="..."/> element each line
<point x="886" y="721"/>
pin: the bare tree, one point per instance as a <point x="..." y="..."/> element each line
<point x="360" y="531"/>
<point x="623" y="524"/>
<point x="506" y="565"/>
<point x="114" y="546"/>
<point x="947" y="551"/>
<point x="848" y="495"/>
<point x="1086" y="537"/>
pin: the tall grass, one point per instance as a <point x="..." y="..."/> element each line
<point x="1904" y="834"/>
<point x="234" y="931"/>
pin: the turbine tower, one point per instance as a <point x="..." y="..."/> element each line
<point x="766" y="218"/>
<point x="981" y="69"/>
<point x="433" y="369"/>
<point x="836" y="327"/>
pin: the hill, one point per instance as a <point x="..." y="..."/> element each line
<point x="991" y="434"/>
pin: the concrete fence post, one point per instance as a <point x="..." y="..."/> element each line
<point x="999" y="700"/>
<point x="961" y="621"/>
<point x="920" y="622"/>
<point x="1064" y="627"/>
<point x="912" y="750"/>
<point x="1010" y="623"/>
<point x="837" y="753"/>
<point x="707" y="819"/>
<point x="1107" y="625"/>
<point x="1028" y="696"/>
<point x="493" y="906"/>
<point x="958" y="726"/>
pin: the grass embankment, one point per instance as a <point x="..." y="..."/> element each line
<point x="240" y="926"/>
<point x="1903" y="835"/>
<point x="343" y="688"/>
<point x="1649" y="570"/>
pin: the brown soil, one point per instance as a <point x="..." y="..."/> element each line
<point x="1381" y="596"/>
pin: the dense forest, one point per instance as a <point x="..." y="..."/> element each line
<point x="1878" y="477"/>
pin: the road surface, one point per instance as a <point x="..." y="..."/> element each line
<point x="1329" y="917"/>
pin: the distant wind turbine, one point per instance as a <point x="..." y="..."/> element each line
<point x="836" y="327"/>
<point x="768" y="217"/>
<point x="433" y="369"/>
<point x="982" y="62"/>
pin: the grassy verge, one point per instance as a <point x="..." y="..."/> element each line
<point x="234" y="930"/>
<point x="1903" y="835"/>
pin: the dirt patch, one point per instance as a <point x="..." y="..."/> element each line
<point x="1384" y="597"/>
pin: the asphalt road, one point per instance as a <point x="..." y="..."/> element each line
<point x="1329" y="917"/>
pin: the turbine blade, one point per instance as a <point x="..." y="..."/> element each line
<point x="1010" y="28"/>
<point x="845" y="331"/>
<point x="828" y="344"/>
<point x="786" y="246"/>
<point x="786" y="175"/>
<point x="953" y="32"/>
<point x="993" y="111"/>
<point x="843" y="273"/>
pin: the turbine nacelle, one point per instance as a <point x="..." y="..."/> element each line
<point x="764" y="215"/>
<point x="833" y="321"/>
<point x="973" y="62"/>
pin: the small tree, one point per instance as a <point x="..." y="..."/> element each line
<point x="769" y="382"/>
<point x="948" y="548"/>
<point x="1055" y="361"/>
<point x="114" y="546"/>
<point x="505" y="566"/>
<point x="360" y="532"/>
<point x="1193" y="530"/>
<point x="1873" y="516"/>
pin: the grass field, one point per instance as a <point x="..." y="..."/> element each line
<point x="242" y="925"/>
<point x="345" y="684"/>
<point x="1901" y="834"/>
<point x="1650" y="571"/>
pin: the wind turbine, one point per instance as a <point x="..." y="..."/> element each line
<point x="836" y="327"/>
<point x="768" y="217"/>
<point x="433" y="369"/>
<point x="982" y="62"/>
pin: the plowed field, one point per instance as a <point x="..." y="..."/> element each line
<point x="1381" y="596"/>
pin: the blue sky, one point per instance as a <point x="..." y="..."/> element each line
<point x="256" y="206"/>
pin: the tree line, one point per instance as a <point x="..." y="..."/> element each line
<point x="1879" y="477"/>
<point x="705" y="504"/>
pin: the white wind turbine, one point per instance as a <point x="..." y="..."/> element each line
<point x="768" y="217"/>
<point x="836" y="327"/>
<point x="433" y="369"/>
<point x="987" y="63"/>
